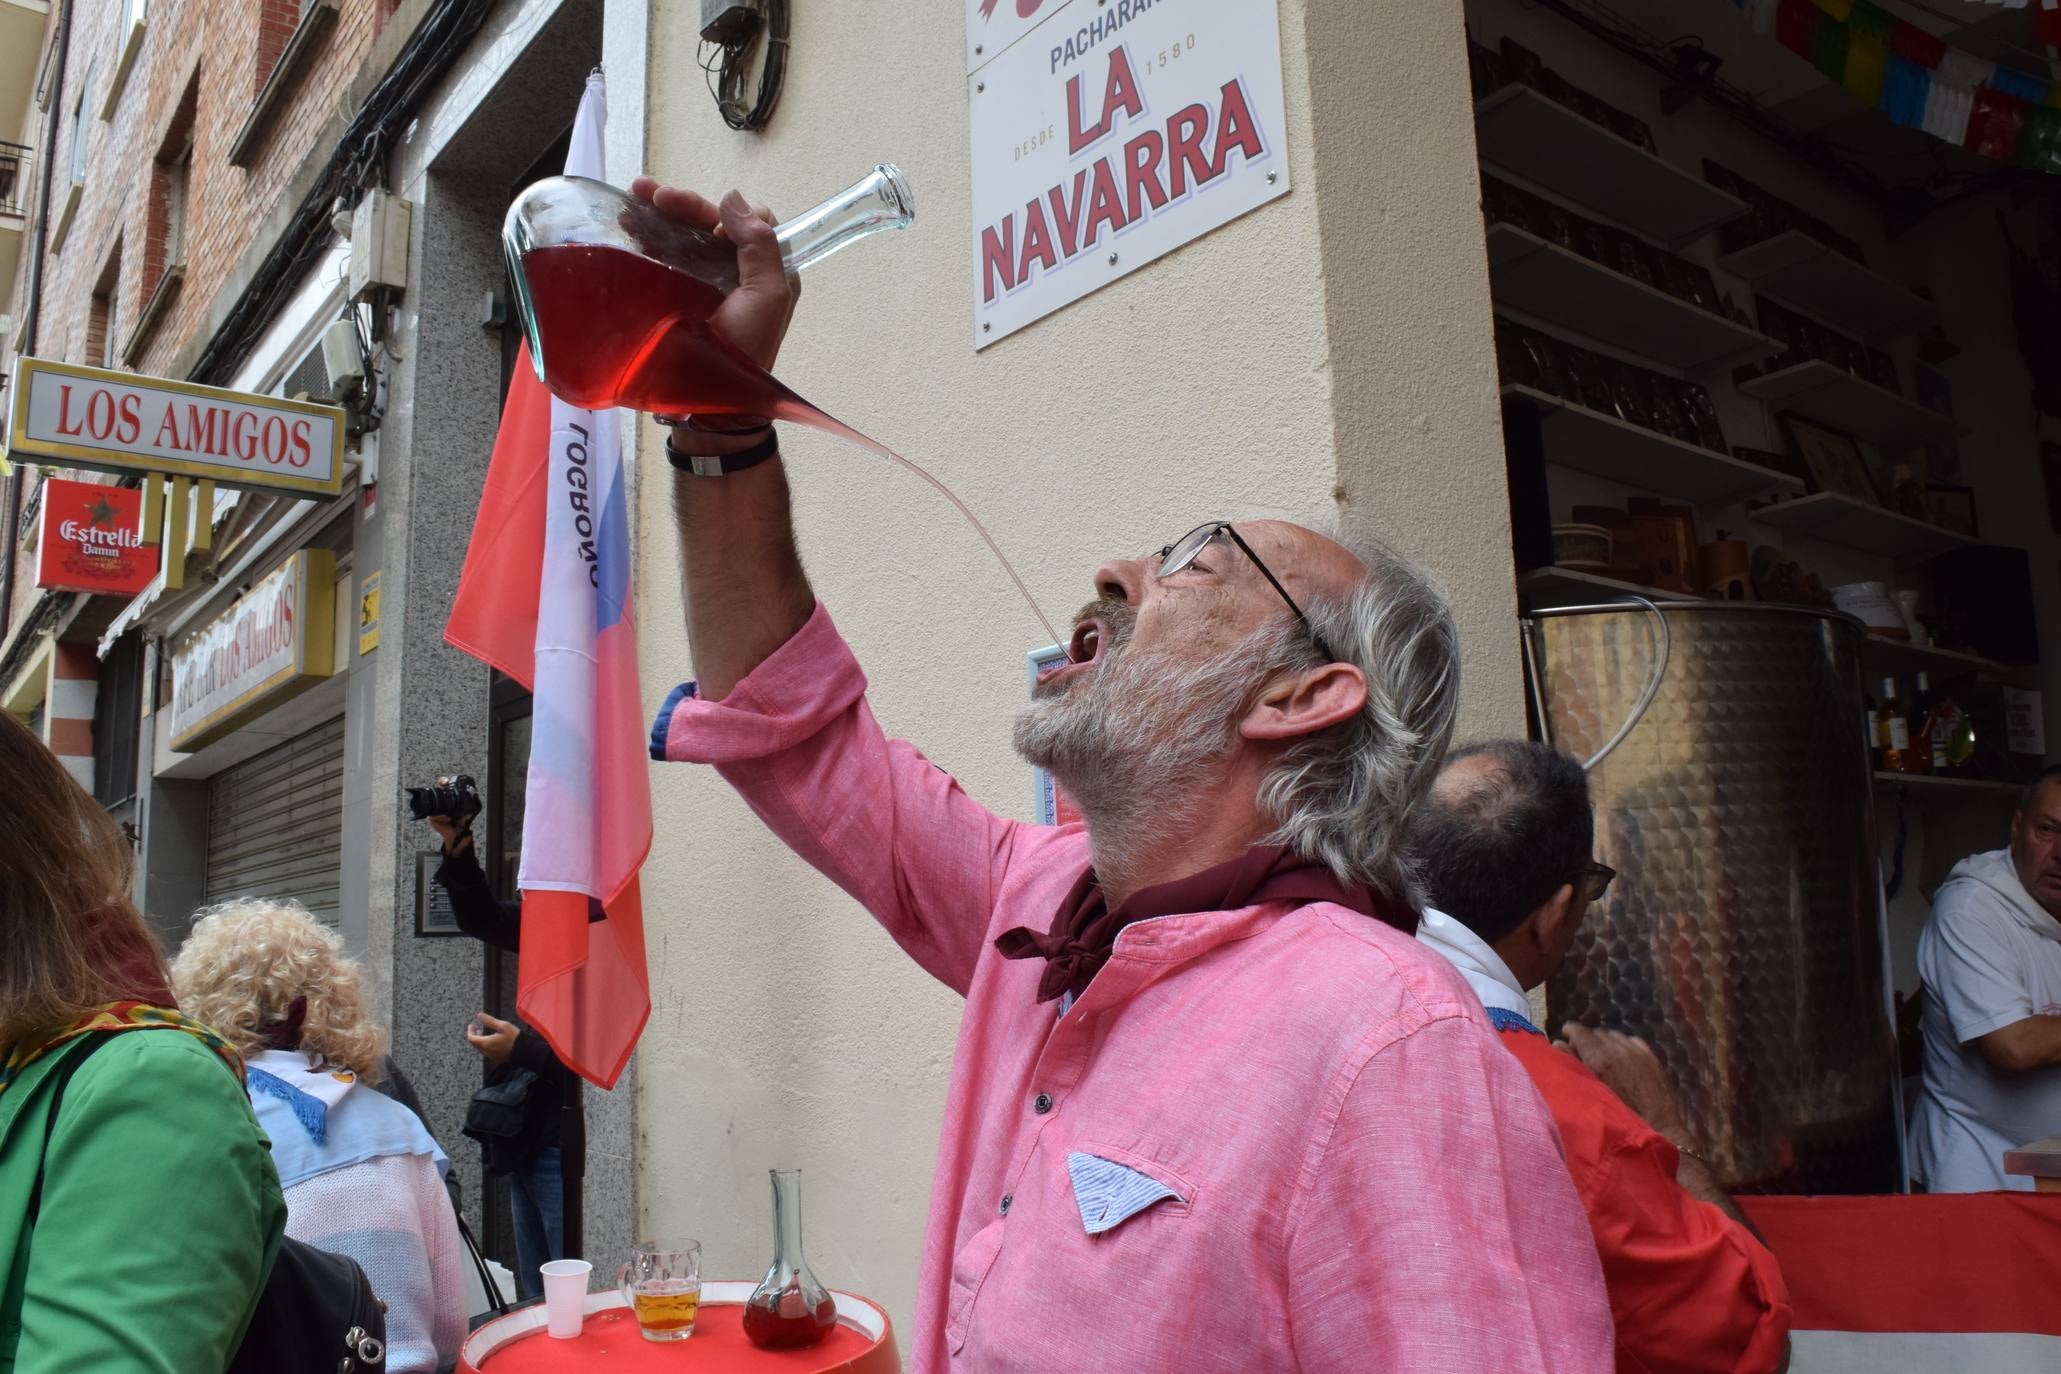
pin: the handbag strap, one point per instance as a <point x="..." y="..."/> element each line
<point x="479" y="1262"/>
<point x="64" y="1074"/>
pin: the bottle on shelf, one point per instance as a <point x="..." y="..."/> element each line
<point x="1918" y="727"/>
<point x="1949" y="736"/>
<point x="1871" y="724"/>
<point x="1894" y="737"/>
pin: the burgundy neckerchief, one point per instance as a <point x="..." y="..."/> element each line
<point x="1084" y="930"/>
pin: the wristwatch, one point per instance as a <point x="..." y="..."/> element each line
<point x="723" y="464"/>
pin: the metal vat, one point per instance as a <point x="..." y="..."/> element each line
<point x="1744" y="937"/>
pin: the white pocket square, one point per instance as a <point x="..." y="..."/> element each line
<point x="1109" y="1193"/>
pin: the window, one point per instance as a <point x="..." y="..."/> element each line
<point x="102" y="347"/>
<point x="117" y="717"/>
<point x="178" y="176"/>
<point x="79" y="128"/>
<point x="277" y="19"/>
<point x="167" y="220"/>
<point x="128" y="38"/>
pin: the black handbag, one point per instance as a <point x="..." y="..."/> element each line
<point x="316" y="1311"/>
<point x="498" y="1109"/>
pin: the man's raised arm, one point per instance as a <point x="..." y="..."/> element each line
<point x="798" y="741"/>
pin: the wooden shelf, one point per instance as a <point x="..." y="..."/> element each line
<point x="1565" y="289"/>
<point x="1925" y="782"/>
<point x="1556" y="586"/>
<point x="1832" y="396"/>
<point x="1859" y="525"/>
<point x="1904" y="656"/>
<point x="1589" y="441"/>
<point x="1523" y="132"/>
<point x="1796" y="270"/>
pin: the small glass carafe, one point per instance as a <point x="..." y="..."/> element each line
<point x="789" y="1309"/>
<point x="615" y="297"/>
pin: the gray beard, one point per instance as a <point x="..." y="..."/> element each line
<point x="1139" y="745"/>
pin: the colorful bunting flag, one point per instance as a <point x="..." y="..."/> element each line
<point x="1918" y="81"/>
<point x="1995" y="123"/>
<point x="1905" y="86"/>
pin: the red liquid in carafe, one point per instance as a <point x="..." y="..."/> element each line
<point x="622" y="330"/>
<point x="768" y="1330"/>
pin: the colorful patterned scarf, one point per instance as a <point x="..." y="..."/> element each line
<point x="120" y="1016"/>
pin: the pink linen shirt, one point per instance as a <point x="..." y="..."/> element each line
<point x="1366" y="1180"/>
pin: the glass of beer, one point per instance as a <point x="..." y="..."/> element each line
<point x="662" y="1285"/>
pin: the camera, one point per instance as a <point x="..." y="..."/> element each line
<point x="458" y="799"/>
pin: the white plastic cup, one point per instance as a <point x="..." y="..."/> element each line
<point x="565" y="1296"/>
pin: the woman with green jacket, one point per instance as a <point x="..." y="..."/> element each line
<point x="139" y="1220"/>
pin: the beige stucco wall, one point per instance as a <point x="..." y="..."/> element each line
<point x="1329" y="352"/>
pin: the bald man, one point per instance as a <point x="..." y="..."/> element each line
<point x="1504" y="845"/>
<point x="1212" y="1106"/>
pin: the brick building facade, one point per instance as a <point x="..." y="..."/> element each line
<point x="179" y="168"/>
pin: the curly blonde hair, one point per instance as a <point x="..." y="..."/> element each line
<point x="247" y="960"/>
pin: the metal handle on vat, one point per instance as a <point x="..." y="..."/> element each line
<point x="1535" y="681"/>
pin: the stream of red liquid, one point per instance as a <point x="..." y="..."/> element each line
<point x="622" y="330"/>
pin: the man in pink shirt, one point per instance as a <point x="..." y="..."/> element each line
<point x="1212" y="1106"/>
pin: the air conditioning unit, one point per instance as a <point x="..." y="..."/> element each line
<point x="332" y="372"/>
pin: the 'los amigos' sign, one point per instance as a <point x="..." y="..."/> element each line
<point x="276" y="641"/>
<point x="1110" y="134"/>
<point x="88" y="541"/>
<point x="91" y="417"/>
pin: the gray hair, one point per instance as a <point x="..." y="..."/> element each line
<point x="2029" y="795"/>
<point x="1343" y="796"/>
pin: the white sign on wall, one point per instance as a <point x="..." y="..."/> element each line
<point x="1110" y="134"/>
<point x="992" y="25"/>
<point x="273" y="643"/>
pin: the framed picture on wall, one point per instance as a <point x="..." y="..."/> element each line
<point x="1050" y="805"/>
<point x="1832" y="459"/>
<point x="1952" y="507"/>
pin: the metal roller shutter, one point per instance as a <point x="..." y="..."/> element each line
<point x="275" y="823"/>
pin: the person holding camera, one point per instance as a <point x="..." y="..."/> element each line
<point x="527" y="1115"/>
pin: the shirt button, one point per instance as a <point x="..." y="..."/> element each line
<point x="1043" y="1104"/>
<point x="1007" y="1198"/>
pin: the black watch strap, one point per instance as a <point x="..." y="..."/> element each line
<point x="724" y="464"/>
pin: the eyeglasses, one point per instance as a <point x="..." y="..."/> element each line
<point x="1595" y="880"/>
<point x="1184" y="551"/>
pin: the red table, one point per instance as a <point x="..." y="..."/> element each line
<point x="862" y="1343"/>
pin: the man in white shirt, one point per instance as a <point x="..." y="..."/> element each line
<point x="1990" y="958"/>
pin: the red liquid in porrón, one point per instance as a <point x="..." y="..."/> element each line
<point x="622" y="330"/>
<point x="769" y="1330"/>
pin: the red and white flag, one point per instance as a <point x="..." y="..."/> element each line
<point x="1942" y="1283"/>
<point x="545" y="597"/>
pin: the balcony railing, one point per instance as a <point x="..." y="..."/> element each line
<point x="14" y="178"/>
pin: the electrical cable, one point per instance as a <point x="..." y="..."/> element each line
<point x="728" y="64"/>
<point x="357" y="163"/>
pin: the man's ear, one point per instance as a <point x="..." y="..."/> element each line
<point x="1303" y="703"/>
<point x="1553" y="923"/>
